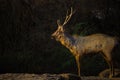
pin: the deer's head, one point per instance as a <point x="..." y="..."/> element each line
<point x="60" y="30"/>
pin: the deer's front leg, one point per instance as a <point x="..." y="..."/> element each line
<point x="77" y="58"/>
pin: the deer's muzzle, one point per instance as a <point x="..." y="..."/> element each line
<point x="52" y="36"/>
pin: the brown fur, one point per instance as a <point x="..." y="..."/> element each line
<point x="80" y="45"/>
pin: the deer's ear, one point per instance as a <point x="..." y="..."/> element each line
<point x="58" y="23"/>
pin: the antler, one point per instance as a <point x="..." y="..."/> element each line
<point x="68" y="16"/>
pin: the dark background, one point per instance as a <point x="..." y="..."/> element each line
<point x="26" y="27"/>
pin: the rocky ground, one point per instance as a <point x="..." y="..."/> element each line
<point x="67" y="76"/>
<point x="24" y="76"/>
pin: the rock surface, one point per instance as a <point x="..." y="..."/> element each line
<point x="22" y="76"/>
<point x="66" y="76"/>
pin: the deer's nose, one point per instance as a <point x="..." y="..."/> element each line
<point x="52" y="36"/>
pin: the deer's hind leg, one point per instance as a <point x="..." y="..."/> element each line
<point x="108" y="57"/>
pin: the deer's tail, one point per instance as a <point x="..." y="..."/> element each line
<point x="116" y="53"/>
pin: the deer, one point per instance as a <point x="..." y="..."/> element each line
<point x="83" y="45"/>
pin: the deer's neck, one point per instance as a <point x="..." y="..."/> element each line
<point x="67" y="40"/>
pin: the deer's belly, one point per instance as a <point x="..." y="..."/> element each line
<point x="93" y="49"/>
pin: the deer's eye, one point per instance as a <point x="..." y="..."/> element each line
<point x="59" y="36"/>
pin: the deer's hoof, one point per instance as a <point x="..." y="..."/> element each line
<point x="106" y="73"/>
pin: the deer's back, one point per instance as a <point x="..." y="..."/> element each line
<point x="95" y="43"/>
